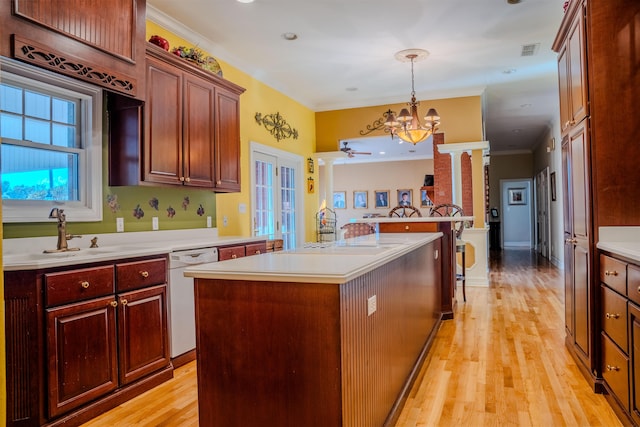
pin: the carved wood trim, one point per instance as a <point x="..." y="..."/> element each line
<point x="46" y="57"/>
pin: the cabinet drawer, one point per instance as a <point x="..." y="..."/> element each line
<point x="613" y="273"/>
<point x="230" y="252"/>
<point x="78" y="285"/>
<point x="256" y="248"/>
<point x="614" y="317"/>
<point x="634" y="284"/>
<point x="615" y="370"/>
<point x="139" y="274"/>
<point x="413" y="227"/>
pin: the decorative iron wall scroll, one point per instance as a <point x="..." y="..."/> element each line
<point x="378" y="124"/>
<point x="277" y="126"/>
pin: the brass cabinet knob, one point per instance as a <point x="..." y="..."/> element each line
<point x="182" y="179"/>
<point x="234" y="256"/>
<point x="218" y="182"/>
<point x="84" y="284"/>
<point x="123" y="301"/>
<point x="144" y="274"/>
<point x="610" y="273"/>
<point x="611" y="368"/>
<point x="612" y="316"/>
<point x="406" y="227"/>
<point x="187" y="179"/>
<point x="114" y="303"/>
<point x="258" y="252"/>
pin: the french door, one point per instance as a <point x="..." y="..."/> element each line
<point x="275" y="199"/>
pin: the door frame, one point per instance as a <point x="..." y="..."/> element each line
<point x="298" y="162"/>
<point x="541" y="182"/>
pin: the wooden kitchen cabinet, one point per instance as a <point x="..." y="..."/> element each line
<point x="572" y="72"/>
<point x="91" y="41"/>
<point x="191" y="129"/>
<point x="99" y="329"/>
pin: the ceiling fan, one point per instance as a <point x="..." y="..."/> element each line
<point x="350" y="151"/>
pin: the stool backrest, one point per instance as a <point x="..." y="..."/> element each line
<point x="450" y="210"/>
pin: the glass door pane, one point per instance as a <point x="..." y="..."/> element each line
<point x="264" y="212"/>
<point x="288" y="206"/>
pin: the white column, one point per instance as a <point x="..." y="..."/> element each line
<point x="328" y="158"/>
<point x="456" y="177"/>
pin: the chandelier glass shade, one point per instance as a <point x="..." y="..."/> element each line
<point x="406" y="125"/>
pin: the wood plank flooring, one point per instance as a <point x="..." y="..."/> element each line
<point x="500" y="362"/>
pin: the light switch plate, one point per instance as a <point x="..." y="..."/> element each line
<point x="119" y="225"/>
<point x="208" y="222"/>
<point x="154" y="223"/>
<point x="372" y="305"/>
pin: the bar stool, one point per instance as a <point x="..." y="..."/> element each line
<point x="451" y="210"/>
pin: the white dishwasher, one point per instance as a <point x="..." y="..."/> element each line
<point x="181" y="300"/>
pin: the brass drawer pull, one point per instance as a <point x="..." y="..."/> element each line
<point x="406" y="227"/>
<point x="123" y="301"/>
<point x="114" y="303"/>
<point x="234" y="256"/>
<point x="610" y="273"/>
<point x="257" y="251"/>
<point x="84" y="284"/>
<point x="144" y="274"/>
<point x="612" y="368"/>
<point x="612" y="316"/>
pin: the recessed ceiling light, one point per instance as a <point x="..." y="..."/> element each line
<point x="525" y="105"/>
<point x="509" y="71"/>
<point x="516" y="130"/>
<point x="351" y="89"/>
<point x="382" y="153"/>
<point x="244" y="1"/>
<point x="289" y="36"/>
<point x="514" y="1"/>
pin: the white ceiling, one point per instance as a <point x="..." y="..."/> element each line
<point x="344" y="54"/>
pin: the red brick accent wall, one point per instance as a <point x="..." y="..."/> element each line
<point x="467" y="185"/>
<point x="441" y="173"/>
<point x="442" y="177"/>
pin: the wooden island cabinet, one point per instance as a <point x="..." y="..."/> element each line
<point x="322" y="337"/>
<point x="83" y="339"/>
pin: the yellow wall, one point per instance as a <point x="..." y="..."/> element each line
<point x="461" y="121"/>
<point x="513" y="166"/>
<point x="258" y="98"/>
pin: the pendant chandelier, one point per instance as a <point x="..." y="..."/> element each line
<point x="407" y="125"/>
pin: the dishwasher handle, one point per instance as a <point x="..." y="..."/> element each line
<point x="195" y="257"/>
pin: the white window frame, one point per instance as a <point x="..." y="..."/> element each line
<point x="293" y="160"/>
<point x="89" y="206"/>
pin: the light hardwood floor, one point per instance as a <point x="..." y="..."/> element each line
<point x="500" y="362"/>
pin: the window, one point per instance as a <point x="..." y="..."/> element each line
<point x="51" y="155"/>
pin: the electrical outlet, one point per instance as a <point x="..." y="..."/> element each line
<point x="225" y="221"/>
<point x="208" y="222"/>
<point x="372" y="305"/>
<point x="119" y="225"/>
<point x="154" y="223"/>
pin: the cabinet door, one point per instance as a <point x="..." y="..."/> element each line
<point x="564" y="89"/>
<point x="198" y="132"/>
<point x="577" y="69"/>
<point x="142" y="332"/>
<point x="81" y="353"/>
<point x="162" y="152"/>
<point x="227" y="141"/>
<point x="634" y="362"/>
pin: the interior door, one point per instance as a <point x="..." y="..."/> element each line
<point x="275" y="201"/>
<point x="542" y="215"/>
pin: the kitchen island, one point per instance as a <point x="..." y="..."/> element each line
<point x="327" y="335"/>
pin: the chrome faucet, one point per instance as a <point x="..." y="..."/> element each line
<point x="62" y="232"/>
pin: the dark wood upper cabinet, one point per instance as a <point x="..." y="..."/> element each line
<point x="191" y="129"/>
<point x="101" y="43"/>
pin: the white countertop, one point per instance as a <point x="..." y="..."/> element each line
<point x="335" y="263"/>
<point x="623" y="241"/>
<point x="27" y="253"/>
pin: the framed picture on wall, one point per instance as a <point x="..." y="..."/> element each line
<point x="517" y="196"/>
<point x="425" y="200"/>
<point x="360" y="199"/>
<point x="339" y="199"/>
<point x="382" y="199"/>
<point x="405" y="197"/>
